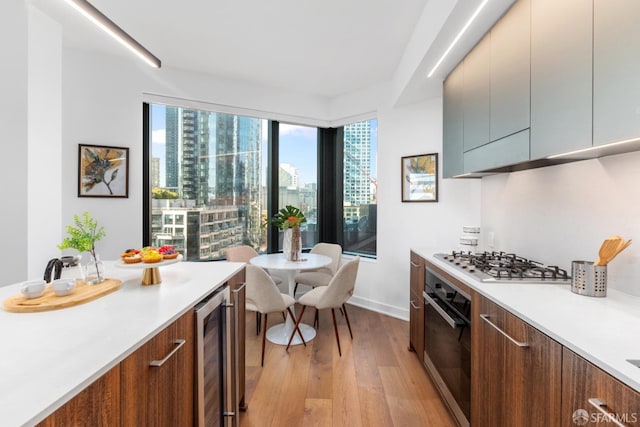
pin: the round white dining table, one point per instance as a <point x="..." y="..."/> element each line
<point x="279" y="334"/>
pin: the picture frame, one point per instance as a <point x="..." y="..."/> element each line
<point x="103" y="171"/>
<point x="420" y="178"/>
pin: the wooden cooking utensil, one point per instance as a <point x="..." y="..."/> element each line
<point x="624" y="245"/>
<point x="608" y="249"/>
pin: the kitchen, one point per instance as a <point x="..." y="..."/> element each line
<point x="554" y="214"/>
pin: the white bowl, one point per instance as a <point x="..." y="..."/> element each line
<point x="63" y="287"/>
<point x="33" y="288"/>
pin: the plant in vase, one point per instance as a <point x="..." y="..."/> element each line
<point x="289" y="219"/>
<point x="83" y="237"/>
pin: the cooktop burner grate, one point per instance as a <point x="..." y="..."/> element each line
<point x="503" y="266"/>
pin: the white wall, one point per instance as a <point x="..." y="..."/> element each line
<point x="44" y="141"/>
<point x="563" y="213"/>
<point x="409" y="130"/>
<point x="13" y="122"/>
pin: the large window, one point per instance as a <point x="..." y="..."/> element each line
<point x="360" y="187"/>
<point x="298" y="176"/>
<point x="208" y="176"/>
<point x="206" y="181"/>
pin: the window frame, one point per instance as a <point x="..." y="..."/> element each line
<point x="330" y="152"/>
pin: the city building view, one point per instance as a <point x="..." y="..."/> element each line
<point x="208" y="179"/>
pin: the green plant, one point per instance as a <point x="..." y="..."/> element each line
<point x="287" y="217"/>
<point x="83" y="237"/>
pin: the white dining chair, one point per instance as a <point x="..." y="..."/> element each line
<point x="244" y="253"/>
<point x="321" y="276"/>
<point x="332" y="296"/>
<point x="264" y="295"/>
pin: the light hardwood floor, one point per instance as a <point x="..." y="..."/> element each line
<point x="376" y="382"/>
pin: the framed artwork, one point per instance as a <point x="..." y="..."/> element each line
<point x="103" y="171"/>
<point x="420" y="178"/>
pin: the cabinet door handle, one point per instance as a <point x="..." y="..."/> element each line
<point x="413" y="264"/>
<point x="485" y="317"/>
<point x="179" y="343"/>
<point x="417" y="307"/>
<point x="600" y="405"/>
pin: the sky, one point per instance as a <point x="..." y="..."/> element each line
<point x="295" y="143"/>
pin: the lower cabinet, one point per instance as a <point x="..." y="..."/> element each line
<point x="592" y="397"/>
<point x="157" y="380"/>
<point x="416" y="306"/>
<point x="515" y="370"/>
<point x="98" y="405"/>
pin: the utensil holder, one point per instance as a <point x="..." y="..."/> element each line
<point x="588" y="279"/>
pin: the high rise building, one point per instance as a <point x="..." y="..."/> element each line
<point x="213" y="161"/>
<point x="155" y="172"/>
<point x="172" y="154"/>
<point x="357" y="164"/>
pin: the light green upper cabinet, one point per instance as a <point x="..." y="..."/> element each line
<point x="616" y="70"/>
<point x="477" y="95"/>
<point x="561" y="76"/>
<point x="452" y="123"/>
<point x="510" y="72"/>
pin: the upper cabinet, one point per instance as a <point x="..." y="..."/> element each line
<point x="551" y="78"/>
<point x="616" y="70"/>
<point x="561" y="76"/>
<point x="510" y="70"/>
<point x="452" y="125"/>
<point x="477" y="95"/>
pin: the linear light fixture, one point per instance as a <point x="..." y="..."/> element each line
<point x="597" y="147"/>
<point x="110" y="27"/>
<point x="453" y="43"/>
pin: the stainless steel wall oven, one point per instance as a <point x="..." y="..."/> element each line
<point x="447" y="339"/>
<point x="216" y="359"/>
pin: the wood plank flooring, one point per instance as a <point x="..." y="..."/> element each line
<point x="376" y="382"/>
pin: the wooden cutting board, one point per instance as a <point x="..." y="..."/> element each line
<point x="50" y="301"/>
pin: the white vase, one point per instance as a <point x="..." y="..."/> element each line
<point x="292" y="244"/>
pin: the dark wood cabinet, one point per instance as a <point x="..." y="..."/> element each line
<point x="96" y="406"/>
<point x="157" y="380"/>
<point x="515" y="370"/>
<point x="416" y="306"/>
<point x="236" y="284"/>
<point x="590" y="392"/>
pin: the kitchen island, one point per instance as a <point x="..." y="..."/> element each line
<point x="49" y="357"/>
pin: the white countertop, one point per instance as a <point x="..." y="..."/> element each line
<point x="605" y="331"/>
<point x="46" y="358"/>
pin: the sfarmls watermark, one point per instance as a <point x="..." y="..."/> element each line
<point x="582" y="417"/>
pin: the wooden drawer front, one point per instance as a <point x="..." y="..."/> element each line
<point x="583" y="382"/>
<point x="516" y="370"/>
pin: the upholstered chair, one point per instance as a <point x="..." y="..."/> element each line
<point x="264" y="295"/>
<point x="332" y="296"/>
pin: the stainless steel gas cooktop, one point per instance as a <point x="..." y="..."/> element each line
<point x="502" y="267"/>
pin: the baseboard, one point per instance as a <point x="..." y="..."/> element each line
<point x="378" y="307"/>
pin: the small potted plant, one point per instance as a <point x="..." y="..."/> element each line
<point x="289" y="220"/>
<point x="83" y="237"/>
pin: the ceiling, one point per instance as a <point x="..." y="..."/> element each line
<point x="326" y="48"/>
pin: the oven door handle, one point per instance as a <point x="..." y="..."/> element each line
<point x="439" y="310"/>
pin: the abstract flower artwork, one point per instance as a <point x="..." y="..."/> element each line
<point x="103" y="171"/>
